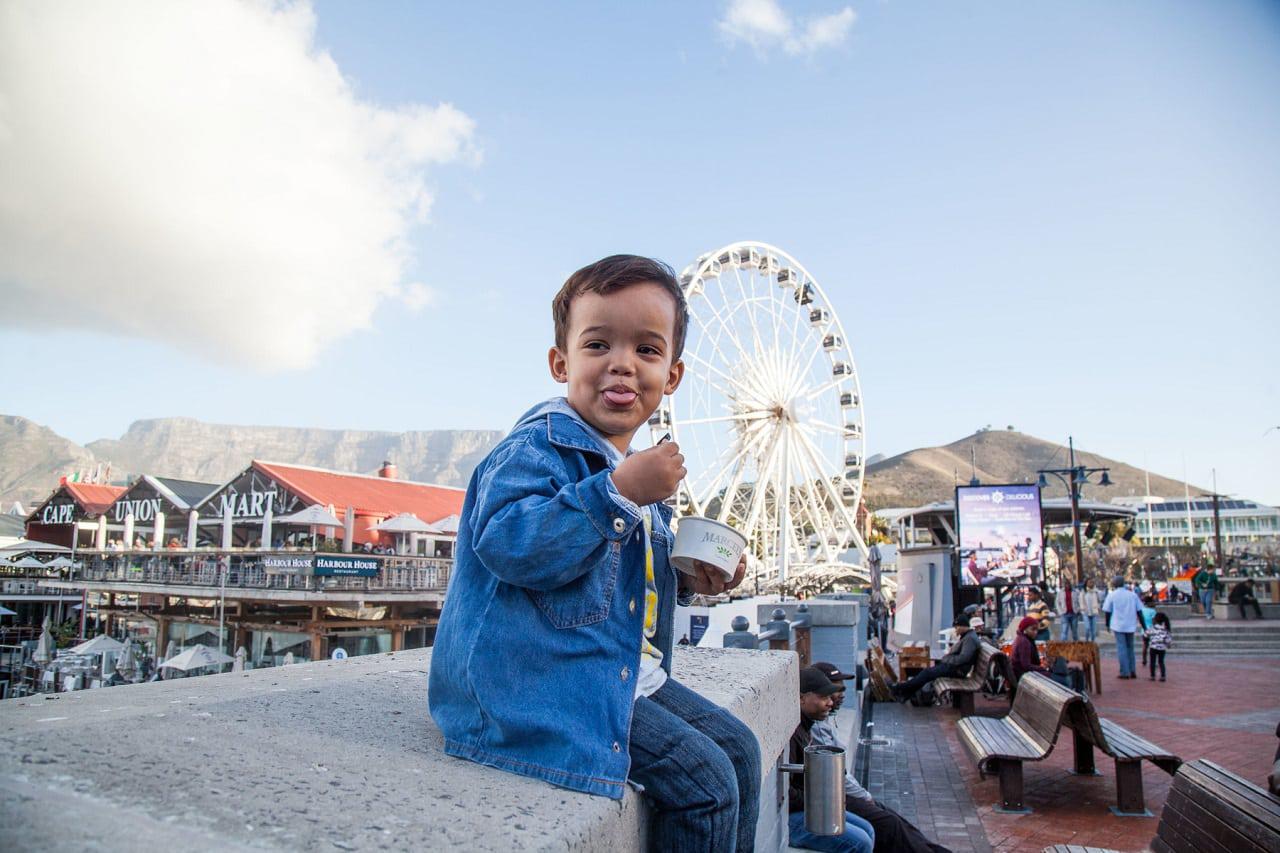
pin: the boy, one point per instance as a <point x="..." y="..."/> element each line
<point x="553" y="654"/>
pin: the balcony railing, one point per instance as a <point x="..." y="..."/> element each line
<point x="242" y="570"/>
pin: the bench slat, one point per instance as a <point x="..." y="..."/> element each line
<point x="1239" y="792"/>
<point x="1183" y="825"/>
<point x="1230" y="800"/>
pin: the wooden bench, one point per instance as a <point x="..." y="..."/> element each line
<point x="1028" y="733"/>
<point x="963" y="689"/>
<point x="1128" y="749"/>
<point x="1210" y="810"/>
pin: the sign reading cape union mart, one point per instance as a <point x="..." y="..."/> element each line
<point x="346" y="566"/>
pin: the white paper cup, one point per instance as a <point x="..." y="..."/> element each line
<point x="710" y="541"/>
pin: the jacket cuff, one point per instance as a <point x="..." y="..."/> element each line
<point x="612" y="515"/>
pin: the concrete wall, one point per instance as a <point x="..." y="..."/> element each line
<point x="332" y="755"/>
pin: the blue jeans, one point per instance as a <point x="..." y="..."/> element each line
<point x="1124" y="653"/>
<point x="700" y="768"/>
<point x="1070" y="620"/>
<point x="1091" y="628"/>
<point x="858" y="836"/>
<point x="1206" y="601"/>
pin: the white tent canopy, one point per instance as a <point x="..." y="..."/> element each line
<point x="407" y="522"/>
<point x="28" y="563"/>
<point x="98" y="645"/>
<point x="197" y="657"/>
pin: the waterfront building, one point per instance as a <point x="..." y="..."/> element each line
<point x="1246" y="525"/>
<point x="228" y="566"/>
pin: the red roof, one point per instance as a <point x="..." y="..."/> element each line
<point x="95" y="499"/>
<point x="366" y="494"/>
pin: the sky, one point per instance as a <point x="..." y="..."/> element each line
<point x="1056" y="216"/>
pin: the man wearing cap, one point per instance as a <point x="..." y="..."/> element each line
<point x="954" y="664"/>
<point x="816" y="692"/>
<point x="894" y="834"/>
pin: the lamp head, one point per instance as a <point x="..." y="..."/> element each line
<point x="1106" y="479"/>
<point x="1043" y="482"/>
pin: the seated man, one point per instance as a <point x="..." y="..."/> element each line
<point x="1242" y="594"/>
<point x="816" y="691"/>
<point x="894" y="834"/>
<point x="955" y="664"/>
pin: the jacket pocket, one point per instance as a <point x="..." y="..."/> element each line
<point x="586" y="600"/>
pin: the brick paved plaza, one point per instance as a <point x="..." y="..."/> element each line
<point x="1221" y="708"/>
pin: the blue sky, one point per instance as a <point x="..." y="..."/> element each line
<point x="1056" y="216"/>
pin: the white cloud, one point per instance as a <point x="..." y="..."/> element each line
<point x="417" y="296"/>
<point x="765" y="25"/>
<point x="202" y="174"/>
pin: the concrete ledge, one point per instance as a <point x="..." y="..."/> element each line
<point x="321" y="756"/>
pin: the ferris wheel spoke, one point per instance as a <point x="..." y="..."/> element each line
<point x="747" y="303"/>
<point x="825" y="387"/>
<point x="712" y="341"/>
<point x="826" y="427"/>
<point x="760" y="488"/>
<point x="726" y="322"/>
<point x="693" y="356"/>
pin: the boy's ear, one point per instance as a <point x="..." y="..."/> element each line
<point x="558" y="364"/>
<point x="674" y="375"/>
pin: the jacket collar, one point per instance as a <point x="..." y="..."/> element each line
<point x="566" y="431"/>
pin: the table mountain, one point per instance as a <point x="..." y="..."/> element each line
<point x="33" y="457"/>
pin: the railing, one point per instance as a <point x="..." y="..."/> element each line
<point x="778" y="633"/>
<point x="245" y="570"/>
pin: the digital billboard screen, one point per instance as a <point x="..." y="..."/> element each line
<point x="1000" y="536"/>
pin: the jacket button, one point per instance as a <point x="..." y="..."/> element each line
<point x="626" y="673"/>
<point x="619" y="525"/>
<point x="631" y="605"/>
<point x="617" y="747"/>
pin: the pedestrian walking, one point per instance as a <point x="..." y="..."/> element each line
<point x="1068" y="614"/>
<point x="1090" y="606"/>
<point x="1121" y="607"/>
<point x="1160" y="637"/>
<point x="1145" y="616"/>
<point x="1037" y="607"/>
<point x="1207" y="586"/>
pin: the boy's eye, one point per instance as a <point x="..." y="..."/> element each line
<point x="648" y="350"/>
<point x="596" y="345"/>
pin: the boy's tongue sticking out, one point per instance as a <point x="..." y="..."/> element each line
<point x="620" y="396"/>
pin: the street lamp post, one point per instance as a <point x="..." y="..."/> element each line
<point x="1073" y="478"/>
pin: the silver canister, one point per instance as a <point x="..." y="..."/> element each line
<point x="824" y="789"/>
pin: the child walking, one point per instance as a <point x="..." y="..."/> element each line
<point x="1160" y="638"/>
<point x="553" y="654"/>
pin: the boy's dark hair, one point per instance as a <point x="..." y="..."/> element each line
<point x="609" y="274"/>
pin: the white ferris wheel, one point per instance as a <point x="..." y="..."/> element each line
<point x="770" y="407"/>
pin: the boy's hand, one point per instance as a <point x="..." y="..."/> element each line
<point x="711" y="581"/>
<point x="651" y="475"/>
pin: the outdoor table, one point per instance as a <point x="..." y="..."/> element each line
<point x="911" y="660"/>
<point x="1083" y="653"/>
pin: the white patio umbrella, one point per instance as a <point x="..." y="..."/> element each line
<point x="127" y="663"/>
<point x="4" y="611"/>
<point x="44" y="648"/>
<point x="27" y="563"/>
<point x="197" y="657"/>
<point x="448" y="524"/>
<point x="59" y="562"/>
<point x="406" y="524"/>
<point x="241" y="654"/>
<point x="170" y="651"/>
<point x="31" y="546"/>
<point x="315" y="516"/>
<point x="288" y="658"/>
<point x="98" y="645"/>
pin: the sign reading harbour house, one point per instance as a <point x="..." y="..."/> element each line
<point x="344" y="565"/>
<point x="288" y="564"/>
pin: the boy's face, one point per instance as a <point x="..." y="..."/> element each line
<point x="617" y="359"/>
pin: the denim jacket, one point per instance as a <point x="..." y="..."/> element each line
<point x="538" y="646"/>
